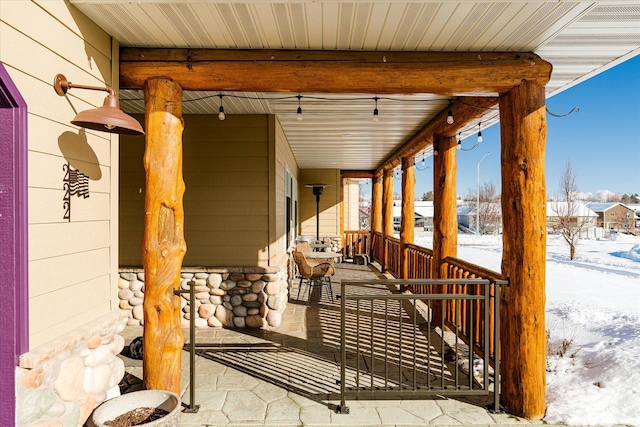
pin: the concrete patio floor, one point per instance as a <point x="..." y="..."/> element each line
<point x="286" y="376"/>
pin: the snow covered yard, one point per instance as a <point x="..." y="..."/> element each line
<point x="593" y="321"/>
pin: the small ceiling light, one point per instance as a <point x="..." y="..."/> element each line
<point x="479" y="133"/>
<point x="221" y="114"/>
<point x="375" y="110"/>
<point x="108" y="118"/>
<point x="299" y="113"/>
<point x="450" y="115"/>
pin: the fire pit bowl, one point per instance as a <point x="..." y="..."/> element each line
<point x="131" y="402"/>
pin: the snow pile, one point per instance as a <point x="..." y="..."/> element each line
<point x="593" y="324"/>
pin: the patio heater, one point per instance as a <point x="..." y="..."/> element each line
<point x="318" y="189"/>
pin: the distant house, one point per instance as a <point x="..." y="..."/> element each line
<point x="580" y="214"/>
<point x="636" y="209"/>
<point x="490" y="217"/>
<point x="614" y="216"/>
<point x="423" y="212"/>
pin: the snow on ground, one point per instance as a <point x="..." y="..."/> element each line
<point x="593" y="318"/>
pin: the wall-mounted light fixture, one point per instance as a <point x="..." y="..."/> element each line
<point x="108" y="118"/>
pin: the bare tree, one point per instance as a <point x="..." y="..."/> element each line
<point x="489" y="208"/>
<point x="569" y="221"/>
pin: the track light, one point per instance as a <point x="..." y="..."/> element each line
<point x="108" y="118"/>
<point x="450" y="115"/>
<point x="299" y="113"/>
<point x="375" y="110"/>
<point x="479" y="133"/>
<point x="221" y="114"/>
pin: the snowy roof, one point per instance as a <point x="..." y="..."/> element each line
<point x="601" y="207"/>
<point x="560" y="208"/>
<point x="423" y="211"/>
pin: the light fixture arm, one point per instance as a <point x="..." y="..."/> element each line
<point x="62" y="85"/>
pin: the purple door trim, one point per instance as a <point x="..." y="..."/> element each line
<point x="14" y="316"/>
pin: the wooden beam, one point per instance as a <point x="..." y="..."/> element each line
<point x="464" y="109"/>
<point x="356" y="174"/>
<point x="523" y="131"/>
<point x="445" y="220"/>
<point x="407" y="220"/>
<point x="335" y="71"/>
<point x="163" y="245"/>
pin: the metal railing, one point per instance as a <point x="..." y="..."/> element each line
<point x="393" y="347"/>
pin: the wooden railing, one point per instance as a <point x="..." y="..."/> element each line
<point x="470" y="313"/>
<point x="356" y="242"/>
<point x="393" y="256"/>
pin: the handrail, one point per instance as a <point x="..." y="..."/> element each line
<point x="393" y="333"/>
<point x="356" y="242"/>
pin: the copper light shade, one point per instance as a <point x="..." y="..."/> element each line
<point x="108" y="118"/>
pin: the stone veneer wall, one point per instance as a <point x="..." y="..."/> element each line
<point x="238" y="297"/>
<point x="60" y="383"/>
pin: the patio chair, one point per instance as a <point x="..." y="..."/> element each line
<point x="315" y="275"/>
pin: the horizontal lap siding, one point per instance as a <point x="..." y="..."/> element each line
<point x="226" y="201"/>
<point x="283" y="158"/>
<point x="329" y="202"/>
<point x="70" y="279"/>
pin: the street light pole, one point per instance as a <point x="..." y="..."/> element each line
<point x="478" y="199"/>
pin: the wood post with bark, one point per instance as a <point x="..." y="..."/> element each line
<point x="407" y="220"/>
<point x="523" y="131"/>
<point x="445" y="218"/>
<point x="387" y="216"/>
<point x="163" y="245"/>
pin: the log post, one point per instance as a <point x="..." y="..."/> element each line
<point x="445" y="218"/>
<point x="387" y="216"/>
<point x="376" y="209"/>
<point x="407" y="220"/>
<point x="163" y="245"/>
<point x="523" y="130"/>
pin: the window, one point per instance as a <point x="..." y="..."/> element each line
<point x="291" y="207"/>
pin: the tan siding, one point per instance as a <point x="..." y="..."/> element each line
<point x="70" y="276"/>
<point x="351" y="204"/>
<point x="329" y="202"/>
<point x="225" y="169"/>
<point x="283" y="158"/>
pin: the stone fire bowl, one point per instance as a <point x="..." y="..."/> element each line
<point x="119" y="405"/>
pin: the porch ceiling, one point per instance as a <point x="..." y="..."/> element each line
<point x="579" y="38"/>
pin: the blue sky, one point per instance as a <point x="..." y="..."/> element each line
<point x="602" y="140"/>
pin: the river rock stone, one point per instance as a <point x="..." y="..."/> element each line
<point x="136" y="286"/>
<point x="252" y="277"/>
<point x="227" y="305"/>
<point x="129" y="277"/>
<point x="124" y="305"/>
<point x="244" y="283"/>
<point x="202" y="295"/>
<point x="272" y="288"/>
<point x="236" y="276"/>
<point x="214" y="280"/>
<point x="206" y="310"/>
<point x="227" y="285"/>
<point x="56" y="411"/>
<point x="122" y="284"/>
<point x="35" y="403"/>
<point x="133" y="322"/>
<point x="140" y="276"/>
<point x="200" y="323"/>
<point x="93" y="342"/>
<point x="257" y="286"/>
<point x="31" y="378"/>
<point x="270" y="277"/>
<point x="254" y="322"/>
<point x="69" y="383"/>
<point x="240" y="311"/>
<point x="138" y="312"/>
<point x="214" y="322"/>
<point x="215" y="299"/>
<point x="188" y="276"/>
<point x="252" y="304"/>
<point x="117" y="345"/>
<point x="250" y="297"/>
<point x="138" y="294"/>
<point x="262" y="297"/>
<point x="217" y="292"/>
<point x="224" y="316"/>
<point x="200" y="282"/>
<point x="274" y="318"/>
<point x="125" y="294"/>
<point x="275" y="302"/>
<point x="263" y="310"/>
<point x="202" y="288"/>
<point x="135" y="301"/>
<point x="203" y="276"/>
<point x="236" y="300"/>
<point x="253" y="311"/>
<point x="86" y="402"/>
<point x="239" y="322"/>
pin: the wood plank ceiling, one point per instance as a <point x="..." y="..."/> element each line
<point x="579" y="38"/>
